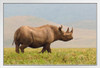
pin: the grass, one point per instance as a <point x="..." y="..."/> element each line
<point x="59" y="56"/>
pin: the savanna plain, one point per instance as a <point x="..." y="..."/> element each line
<point x="59" y="56"/>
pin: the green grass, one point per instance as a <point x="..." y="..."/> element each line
<point x="59" y="56"/>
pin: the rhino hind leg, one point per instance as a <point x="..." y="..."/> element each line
<point x="17" y="47"/>
<point x="22" y="47"/>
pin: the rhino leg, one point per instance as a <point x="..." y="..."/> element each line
<point x="49" y="49"/>
<point x="17" y="47"/>
<point x="22" y="47"/>
<point x="43" y="50"/>
<point x="46" y="47"/>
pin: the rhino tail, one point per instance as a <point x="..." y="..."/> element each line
<point x="16" y="36"/>
<point x="13" y="42"/>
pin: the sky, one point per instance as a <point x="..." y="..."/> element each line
<point x="59" y="13"/>
<point x="71" y="15"/>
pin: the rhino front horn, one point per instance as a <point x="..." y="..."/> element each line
<point x="72" y="30"/>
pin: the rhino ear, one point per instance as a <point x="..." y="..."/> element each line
<point x="71" y="30"/>
<point x="60" y="28"/>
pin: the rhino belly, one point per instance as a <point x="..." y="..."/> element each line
<point x="36" y="45"/>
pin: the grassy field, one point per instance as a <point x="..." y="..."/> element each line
<point x="59" y="56"/>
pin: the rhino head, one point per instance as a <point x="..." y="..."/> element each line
<point x="65" y="36"/>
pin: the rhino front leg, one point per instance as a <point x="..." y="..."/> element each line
<point x="46" y="47"/>
<point x="49" y="49"/>
<point x="43" y="50"/>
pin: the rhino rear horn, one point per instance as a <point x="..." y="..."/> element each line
<point x="67" y="30"/>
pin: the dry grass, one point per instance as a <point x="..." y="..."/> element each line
<point x="59" y="56"/>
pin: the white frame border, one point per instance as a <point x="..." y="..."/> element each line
<point x="49" y="1"/>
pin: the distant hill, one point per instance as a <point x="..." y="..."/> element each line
<point x="83" y="38"/>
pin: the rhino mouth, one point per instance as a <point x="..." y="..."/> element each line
<point x="68" y="39"/>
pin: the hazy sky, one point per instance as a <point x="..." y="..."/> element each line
<point x="59" y="13"/>
<point x="81" y="16"/>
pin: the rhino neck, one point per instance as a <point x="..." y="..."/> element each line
<point x="55" y="33"/>
<point x="56" y="36"/>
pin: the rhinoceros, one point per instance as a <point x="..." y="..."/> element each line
<point x="42" y="36"/>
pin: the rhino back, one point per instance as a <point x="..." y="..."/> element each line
<point x="43" y="34"/>
<point x="37" y="35"/>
